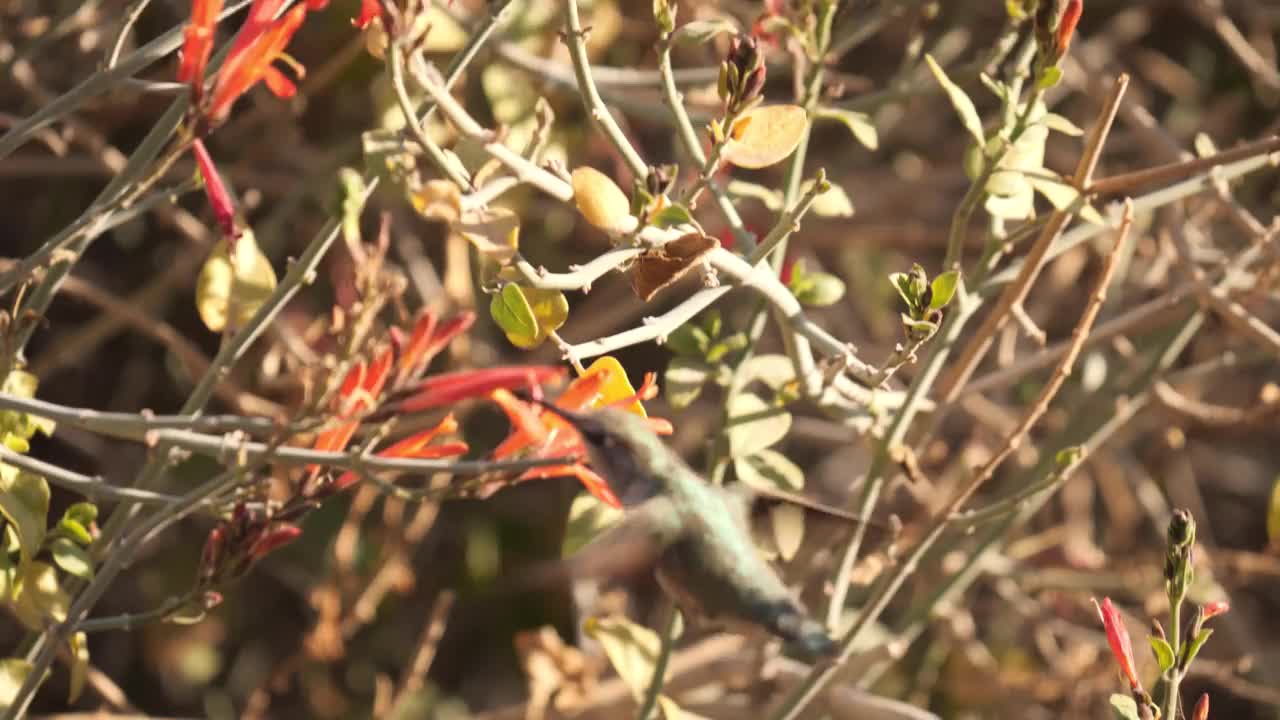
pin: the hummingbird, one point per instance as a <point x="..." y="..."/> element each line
<point x="697" y="536"/>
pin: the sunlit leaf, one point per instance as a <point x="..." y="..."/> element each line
<point x="771" y="198"/>
<point x="754" y="424"/>
<point x="72" y="558"/>
<point x="788" y="529"/>
<point x="616" y="385"/>
<point x="943" y="288"/>
<point x="600" y="201"/>
<point x="632" y="650"/>
<point x="769" y="470"/>
<point x="834" y="202"/>
<point x="1058" y="123"/>
<point x="685" y="378"/>
<point x="662" y="267"/>
<point x="1163" y="652"/>
<point x="1019" y="204"/>
<point x="1124" y="707"/>
<point x="79" y="665"/>
<point x="860" y="124"/>
<point x="588" y="516"/>
<point x="511" y="92"/>
<point x="24" y="502"/>
<point x="774" y="370"/>
<point x="700" y="32"/>
<point x="959" y="100"/>
<point x="234" y="284"/>
<point x="438" y="200"/>
<point x="495" y="233"/>
<point x="765" y="135"/>
<point x="13" y="673"/>
<point x="1197" y="643"/>
<point x="39" y="596"/>
<point x="511" y="310"/>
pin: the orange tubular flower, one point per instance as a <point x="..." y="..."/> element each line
<point x="260" y="42"/>
<point x="1067" y="25"/>
<point x="369" y="11"/>
<point x="1118" y="639"/>
<point x="604" y="384"/>
<point x="197" y="44"/>
<point x="415" y="446"/>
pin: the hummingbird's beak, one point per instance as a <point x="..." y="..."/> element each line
<point x="575" y="419"/>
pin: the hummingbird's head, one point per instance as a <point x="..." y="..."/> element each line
<point x="621" y="447"/>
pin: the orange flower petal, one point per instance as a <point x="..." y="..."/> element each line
<point x="449" y="388"/>
<point x="279" y="84"/>
<point x="594" y="484"/>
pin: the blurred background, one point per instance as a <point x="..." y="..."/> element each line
<point x="330" y="626"/>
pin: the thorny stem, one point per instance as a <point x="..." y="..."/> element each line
<point x="667" y="637"/>
<point x="693" y="146"/>
<point x="800" y="698"/>
<point x="575" y="37"/>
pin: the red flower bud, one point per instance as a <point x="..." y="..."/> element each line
<point x="224" y="210"/>
<point x="1202" y="708"/>
<point x="274" y="539"/>
<point x="1118" y="639"/>
<point x="1213" y="609"/>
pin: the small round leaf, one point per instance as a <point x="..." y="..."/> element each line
<point x="766" y="135"/>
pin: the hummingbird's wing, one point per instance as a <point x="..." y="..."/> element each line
<point x="630" y="546"/>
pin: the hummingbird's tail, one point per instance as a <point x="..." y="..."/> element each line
<point x="791" y="623"/>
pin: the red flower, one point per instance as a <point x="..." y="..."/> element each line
<point x="415" y="446"/>
<point x="1067" y="24"/>
<point x="197" y="44"/>
<point x="448" y="388"/>
<point x="224" y="210"/>
<point x="369" y="11"/>
<point x="260" y="42"/>
<point x="1213" y="609"/>
<point x="1118" y="639"/>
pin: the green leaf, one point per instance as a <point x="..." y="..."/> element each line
<point x="79" y="666"/>
<point x="72" y="558"/>
<point x="24" y="502"/>
<point x="1068" y="456"/>
<point x="39" y="596"/>
<point x="1124" y="707"/>
<point x="188" y="613"/>
<point x="1163" y="652"/>
<point x="943" y="289"/>
<point x="587" y="518"/>
<point x="754" y="424"/>
<point x="819" y="289"/>
<point x="76" y="521"/>
<point x="700" y="32"/>
<point x="685" y="378"/>
<point x="511" y="310"/>
<point x="1197" y="642"/>
<point x="674" y="214"/>
<point x="902" y="283"/>
<point x="1051" y="76"/>
<point x="13" y="673"/>
<point x="959" y="100"/>
<point x="860" y="124"/>
<point x="632" y="650"/>
<point x="688" y="340"/>
<point x="769" y="470"/>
